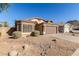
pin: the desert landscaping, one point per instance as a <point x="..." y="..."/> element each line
<point x="37" y="37"/>
<point x="56" y="44"/>
<point x="42" y="45"/>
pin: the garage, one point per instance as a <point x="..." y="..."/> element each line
<point x="51" y="29"/>
<point x="46" y="28"/>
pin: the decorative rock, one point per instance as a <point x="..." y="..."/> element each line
<point x="13" y="53"/>
<point x="50" y="46"/>
<point x="25" y="47"/>
<point x="54" y="40"/>
<point x="43" y="53"/>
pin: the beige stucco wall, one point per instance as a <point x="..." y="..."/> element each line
<point x="24" y="34"/>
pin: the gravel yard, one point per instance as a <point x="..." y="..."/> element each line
<point x="43" y="45"/>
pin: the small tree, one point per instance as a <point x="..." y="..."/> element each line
<point x="61" y="23"/>
<point x="3" y="7"/>
<point x="5" y="24"/>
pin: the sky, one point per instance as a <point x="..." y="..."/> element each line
<point x="57" y="12"/>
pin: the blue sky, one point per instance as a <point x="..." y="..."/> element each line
<point x="51" y="11"/>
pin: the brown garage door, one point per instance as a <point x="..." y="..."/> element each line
<point x="51" y="29"/>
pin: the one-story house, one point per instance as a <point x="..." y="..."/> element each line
<point x="71" y="26"/>
<point x="67" y="27"/>
<point x="44" y="26"/>
<point x="61" y="28"/>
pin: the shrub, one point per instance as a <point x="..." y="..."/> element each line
<point x="5" y="24"/>
<point x="16" y="34"/>
<point x="35" y="33"/>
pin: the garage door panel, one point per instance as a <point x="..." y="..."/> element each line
<point x="50" y="29"/>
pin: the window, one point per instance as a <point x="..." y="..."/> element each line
<point x="27" y="28"/>
<point x="19" y="27"/>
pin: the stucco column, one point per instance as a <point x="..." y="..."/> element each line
<point x="57" y="30"/>
<point x="17" y="28"/>
<point x="44" y="31"/>
<point x="33" y="26"/>
<point x="21" y="27"/>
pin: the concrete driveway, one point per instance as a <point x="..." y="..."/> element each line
<point x="69" y="38"/>
<point x="66" y="37"/>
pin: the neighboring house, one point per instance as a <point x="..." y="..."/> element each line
<point x="44" y="26"/>
<point x="71" y="26"/>
<point x="67" y="28"/>
<point x="0" y="25"/>
<point x="61" y="28"/>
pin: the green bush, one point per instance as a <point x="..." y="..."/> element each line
<point x="5" y="24"/>
<point x="16" y="34"/>
<point x="35" y="33"/>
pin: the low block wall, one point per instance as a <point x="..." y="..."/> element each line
<point x="4" y="31"/>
